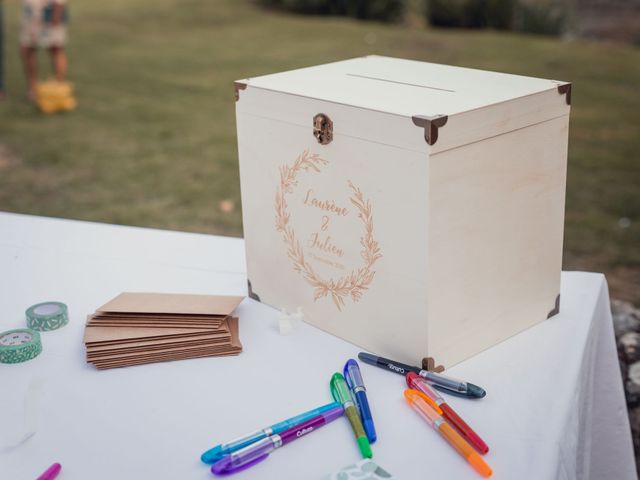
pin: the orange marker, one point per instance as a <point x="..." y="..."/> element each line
<point x="430" y="411"/>
<point x="416" y="382"/>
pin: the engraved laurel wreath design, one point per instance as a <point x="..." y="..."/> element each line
<point x="358" y="280"/>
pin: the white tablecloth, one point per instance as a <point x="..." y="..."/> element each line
<point x="554" y="409"/>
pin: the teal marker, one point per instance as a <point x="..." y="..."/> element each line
<point x="216" y="453"/>
<point x="340" y="392"/>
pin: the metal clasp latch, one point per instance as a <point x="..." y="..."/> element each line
<point x="322" y="129"/>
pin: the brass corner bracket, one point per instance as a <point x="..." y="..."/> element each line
<point x="565" y="89"/>
<point x="238" y="86"/>
<point x="429" y="364"/>
<point x="556" y="308"/>
<point x="251" y="293"/>
<point x="430" y="125"/>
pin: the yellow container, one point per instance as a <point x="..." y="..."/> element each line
<point x="53" y="96"/>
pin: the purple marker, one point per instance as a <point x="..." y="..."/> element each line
<point x="256" y="452"/>
<point x="51" y="472"/>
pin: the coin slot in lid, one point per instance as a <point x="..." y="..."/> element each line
<point x="380" y="79"/>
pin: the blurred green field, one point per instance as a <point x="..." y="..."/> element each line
<point x="153" y="141"/>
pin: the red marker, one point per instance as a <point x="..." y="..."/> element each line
<point x="416" y="382"/>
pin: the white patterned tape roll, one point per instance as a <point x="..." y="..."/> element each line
<point x="17" y="346"/>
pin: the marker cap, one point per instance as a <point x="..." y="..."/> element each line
<point x="212" y="455"/>
<point x="476" y="391"/>
<point x="51" y="472"/>
<point x="370" y="430"/>
<point x="365" y="447"/>
<point x="339" y="389"/>
<point x="352" y="374"/>
<point x="223" y="466"/>
<point x="418" y="383"/>
<point x="479" y="465"/>
<point x="418" y="400"/>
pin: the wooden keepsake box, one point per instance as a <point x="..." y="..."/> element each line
<point x="413" y="209"/>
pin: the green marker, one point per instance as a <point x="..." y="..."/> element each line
<point x="341" y="394"/>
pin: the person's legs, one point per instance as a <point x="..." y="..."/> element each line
<point x="59" y="59"/>
<point x="29" y="61"/>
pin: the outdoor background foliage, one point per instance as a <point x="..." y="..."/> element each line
<point x="153" y="140"/>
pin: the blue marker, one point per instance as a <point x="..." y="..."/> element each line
<point x="216" y="453"/>
<point x="354" y="380"/>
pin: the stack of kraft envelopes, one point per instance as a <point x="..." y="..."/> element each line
<point x="138" y="328"/>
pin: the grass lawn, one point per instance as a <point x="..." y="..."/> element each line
<point x="153" y="140"/>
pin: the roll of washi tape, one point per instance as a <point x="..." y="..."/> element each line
<point x="20" y="345"/>
<point x="47" y="316"/>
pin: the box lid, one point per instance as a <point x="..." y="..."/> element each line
<point x="473" y="104"/>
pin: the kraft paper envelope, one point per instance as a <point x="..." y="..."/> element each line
<point x="92" y="323"/>
<point x="156" y="321"/>
<point x="135" y="340"/>
<point x="212" y="335"/>
<point x="129" y="317"/>
<point x="227" y="339"/>
<point x="204" y="352"/>
<point x="115" y="334"/>
<point x="104" y="366"/>
<point x="171" y="303"/>
<point x="168" y="341"/>
<point x="167" y="316"/>
<point x="234" y="348"/>
<point x="96" y="353"/>
<point x="165" y="352"/>
<point x="165" y="358"/>
<point x="137" y="328"/>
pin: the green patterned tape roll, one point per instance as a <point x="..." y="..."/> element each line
<point x="19" y="345"/>
<point x="47" y="316"/>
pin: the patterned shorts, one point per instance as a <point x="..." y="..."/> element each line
<point x="37" y="29"/>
